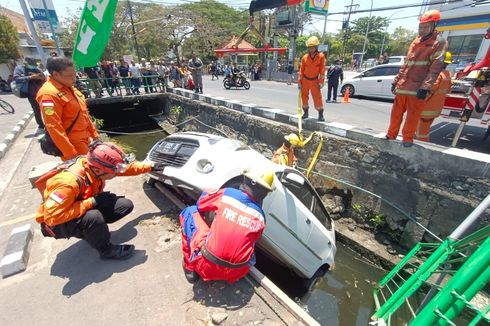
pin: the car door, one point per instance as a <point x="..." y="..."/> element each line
<point x="288" y="223"/>
<point x="370" y="82"/>
<point x="387" y="81"/>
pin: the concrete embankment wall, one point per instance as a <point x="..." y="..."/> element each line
<point x="436" y="186"/>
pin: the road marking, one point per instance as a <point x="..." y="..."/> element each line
<point x="17" y="220"/>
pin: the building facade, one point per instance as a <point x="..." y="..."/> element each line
<point x="464" y="25"/>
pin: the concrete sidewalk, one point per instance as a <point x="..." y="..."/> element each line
<point x="12" y="124"/>
<point x="66" y="282"/>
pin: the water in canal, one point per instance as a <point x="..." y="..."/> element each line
<point x="343" y="297"/>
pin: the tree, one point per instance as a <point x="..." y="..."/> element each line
<point x="400" y="40"/>
<point x="9" y="40"/>
<point x="375" y="34"/>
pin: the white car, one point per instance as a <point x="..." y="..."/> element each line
<point x="373" y="82"/>
<point x="400" y="59"/>
<point x="299" y="233"/>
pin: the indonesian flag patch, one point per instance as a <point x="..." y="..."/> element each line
<point x="57" y="197"/>
<point x="47" y="106"/>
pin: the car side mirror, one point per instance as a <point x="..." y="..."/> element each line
<point x="294" y="178"/>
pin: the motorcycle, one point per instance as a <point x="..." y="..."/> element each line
<point x="239" y="81"/>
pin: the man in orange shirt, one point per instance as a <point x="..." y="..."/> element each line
<point x="284" y="155"/>
<point x="75" y="204"/>
<point x="63" y="105"/>
<point x="311" y="77"/>
<point x="411" y="86"/>
<point x="435" y="101"/>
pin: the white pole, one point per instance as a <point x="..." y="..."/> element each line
<point x="367" y="32"/>
<point x="30" y="25"/>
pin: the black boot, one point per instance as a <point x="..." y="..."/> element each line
<point x="305" y="113"/>
<point x="320" y="115"/>
<point x="191" y="276"/>
<point x="117" y="252"/>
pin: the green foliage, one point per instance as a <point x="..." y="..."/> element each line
<point x="9" y="40"/>
<point x="399" y="41"/>
<point x="375" y="219"/>
<point x="98" y="123"/>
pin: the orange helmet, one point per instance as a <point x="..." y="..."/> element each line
<point x="430" y="16"/>
<point x="108" y="157"/>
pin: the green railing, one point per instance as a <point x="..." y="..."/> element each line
<point x="122" y="86"/>
<point x="434" y="283"/>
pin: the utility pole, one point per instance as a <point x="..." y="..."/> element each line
<point x="292" y="35"/>
<point x="53" y="31"/>
<point x="345" y="27"/>
<point x="366" y="36"/>
<point x="30" y="25"/>
<point x="134" y="30"/>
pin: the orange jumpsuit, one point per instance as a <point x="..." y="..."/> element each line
<point x="68" y="194"/>
<point x="59" y="107"/>
<point x="311" y="76"/>
<point x="423" y="64"/>
<point x="284" y="156"/>
<point x="434" y="104"/>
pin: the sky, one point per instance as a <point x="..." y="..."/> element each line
<point x="64" y="7"/>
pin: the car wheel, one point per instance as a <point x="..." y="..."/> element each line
<point x="352" y="90"/>
<point x="246" y="85"/>
<point x="309" y="284"/>
<point x="227" y="84"/>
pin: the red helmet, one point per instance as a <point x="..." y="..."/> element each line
<point x="108" y="157"/>
<point x="430" y="16"/>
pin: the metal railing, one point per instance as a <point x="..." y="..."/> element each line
<point x="121" y="86"/>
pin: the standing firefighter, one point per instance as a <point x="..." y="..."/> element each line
<point x="311" y="77"/>
<point x="411" y="86"/>
<point x="435" y="101"/>
<point x="75" y="204"/>
<point x="226" y="249"/>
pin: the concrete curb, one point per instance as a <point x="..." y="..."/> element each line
<point x="16" y="254"/>
<point x="9" y="139"/>
<point x="480" y="162"/>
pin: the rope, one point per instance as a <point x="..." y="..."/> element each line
<point x="380" y="198"/>
<point x="317" y="153"/>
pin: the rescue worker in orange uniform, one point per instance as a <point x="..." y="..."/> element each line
<point x="75" y="204"/>
<point x="435" y="102"/>
<point x="61" y="103"/>
<point x="284" y="155"/>
<point x="411" y="86"/>
<point x="226" y="249"/>
<point x="311" y="77"/>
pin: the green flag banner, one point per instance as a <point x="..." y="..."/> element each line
<point x="94" y="31"/>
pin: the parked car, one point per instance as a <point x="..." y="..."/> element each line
<point x="373" y="82"/>
<point x="370" y="63"/>
<point x="397" y="59"/>
<point x="299" y="232"/>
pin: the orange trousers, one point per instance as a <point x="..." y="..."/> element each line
<point x="81" y="146"/>
<point x="314" y="87"/>
<point x="413" y="106"/>
<point x="423" y="130"/>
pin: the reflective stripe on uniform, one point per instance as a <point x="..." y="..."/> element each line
<point x="441" y="91"/>
<point x="430" y="113"/>
<point x="405" y="92"/>
<point x="418" y="63"/>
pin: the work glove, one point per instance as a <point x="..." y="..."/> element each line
<point x="299" y="86"/>
<point x="422" y="94"/>
<point x="393" y="88"/>
<point x="157" y="167"/>
<point x="321" y="85"/>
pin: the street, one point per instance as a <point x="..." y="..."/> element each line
<point x="364" y="113"/>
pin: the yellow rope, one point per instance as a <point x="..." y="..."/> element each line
<point x="300" y="115"/>
<point x="317" y="153"/>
